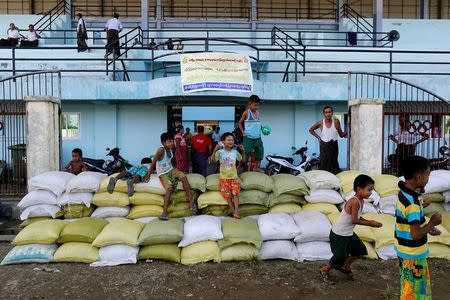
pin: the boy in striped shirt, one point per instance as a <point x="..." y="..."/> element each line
<point x="411" y="230"/>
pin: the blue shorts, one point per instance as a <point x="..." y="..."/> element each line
<point x="139" y="170"/>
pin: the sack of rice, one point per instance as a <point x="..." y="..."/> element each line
<point x="387" y="252"/>
<point x="182" y="197"/>
<point x="325" y="208"/>
<point x="85" y="182"/>
<point x="119" y="231"/>
<point x="434" y="197"/>
<point x="256" y="181"/>
<point x="201" y="228"/>
<point x="347" y="178"/>
<point x="439" y="251"/>
<point x="324" y="196"/>
<point x="76" y="252"/>
<point x="29" y="221"/>
<point x="388" y="204"/>
<point x="140" y="211"/>
<point x="446" y="220"/>
<point x="146" y="199"/>
<point x="319" y="179"/>
<point x="54" y="181"/>
<point x="41" y="210"/>
<point x="371" y="253"/>
<point x="76" y="198"/>
<point x="216" y="210"/>
<point x="200" y="252"/>
<point x="281" y="249"/>
<point x="76" y="211"/>
<point x="386" y="185"/>
<point x="114" y="199"/>
<point x="277" y="227"/>
<point x="446" y="195"/>
<point x="433" y="208"/>
<point x="154" y="186"/>
<point x="254" y="197"/>
<point x="289" y="184"/>
<point x="385" y="234"/>
<point x="115" y="255"/>
<point x="37" y="197"/>
<point x="212" y="182"/>
<point x="285" y="199"/>
<point x="286" y="208"/>
<point x="120" y="187"/>
<point x="239" y="252"/>
<point x="43" y="232"/>
<point x="166" y="252"/>
<point x="84" y="230"/>
<point x="439" y="182"/>
<point x="313" y="251"/>
<point x="238" y="231"/>
<point x="196" y="181"/>
<point x="161" y="232"/>
<point x="313" y="226"/>
<point x="211" y="198"/>
<point x="252" y="209"/>
<point x="111" y="212"/>
<point x="31" y="253"/>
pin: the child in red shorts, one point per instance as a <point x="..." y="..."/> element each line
<point x="229" y="181"/>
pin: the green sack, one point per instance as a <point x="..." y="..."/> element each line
<point x="236" y="231"/>
<point x="216" y="210"/>
<point x="161" y="232"/>
<point x="285" y="199"/>
<point x="180" y="196"/>
<point x="254" y="197"/>
<point x="196" y="181"/>
<point x="84" y="230"/>
<point x="76" y="253"/>
<point x="211" y="198"/>
<point x="252" y="209"/>
<point x="289" y="184"/>
<point x="256" y="181"/>
<point x="434" y="197"/>
<point x="76" y="211"/>
<point x="212" y="182"/>
<point x="180" y="214"/>
<point x="167" y="252"/>
<point x="239" y="252"/>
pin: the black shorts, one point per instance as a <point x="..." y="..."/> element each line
<point x="343" y="247"/>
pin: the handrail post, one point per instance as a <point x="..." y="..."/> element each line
<point x="206" y="42"/>
<point x="287" y="46"/>
<point x="390" y="65"/>
<point x="295" y="68"/>
<point x="13" y="60"/>
<point x="64" y="37"/>
<point x="126" y="45"/>
<point x="257" y="64"/>
<point x="114" y="64"/>
<point x="304" y="60"/>
<point x="107" y="66"/>
<point x="153" y="64"/>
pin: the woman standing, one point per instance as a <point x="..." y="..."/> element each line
<point x="81" y="34"/>
<point x="181" y="150"/>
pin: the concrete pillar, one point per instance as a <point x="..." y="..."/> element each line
<point x="253" y="18"/>
<point x="424" y="9"/>
<point x="70" y="8"/>
<point x="377" y="20"/>
<point x="158" y="15"/>
<point x="144" y="20"/>
<point x="366" y="140"/>
<point x="43" y="135"/>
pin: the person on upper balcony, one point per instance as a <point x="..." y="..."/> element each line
<point x="169" y="44"/>
<point x="13" y="35"/>
<point x="31" y="38"/>
<point x="82" y="35"/>
<point x="112" y="28"/>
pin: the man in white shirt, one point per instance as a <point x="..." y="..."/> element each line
<point x="112" y="28"/>
<point x="81" y="34"/>
<point x="32" y="38"/>
<point x="13" y="36"/>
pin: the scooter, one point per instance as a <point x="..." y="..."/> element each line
<point x="281" y="164"/>
<point x="117" y="165"/>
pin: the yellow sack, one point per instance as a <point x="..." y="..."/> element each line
<point x="180" y="213"/>
<point x="347" y="178"/>
<point x="84" y="230"/>
<point x="41" y="232"/>
<point x="119" y="231"/>
<point x="286" y="208"/>
<point x="443" y="238"/>
<point x="239" y="252"/>
<point x="446" y="220"/>
<point x="285" y="199"/>
<point x="29" y="221"/>
<point x="196" y="181"/>
<point x="76" y="211"/>
<point x="114" y="199"/>
<point x="433" y="208"/>
<point x="147" y="199"/>
<point x="211" y="198"/>
<point x="256" y="181"/>
<point x="200" y="252"/>
<point x="434" y="197"/>
<point x="140" y="211"/>
<point x="252" y="209"/>
<point x="386" y="185"/>
<point x="121" y="185"/>
<point x="385" y="234"/>
<point x="216" y="210"/>
<point x="438" y="250"/>
<point x="76" y="253"/>
<point x="363" y="232"/>
<point x="212" y="182"/>
<point x="371" y="253"/>
<point x="167" y="252"/>
<point x="325" y="208"/>
<point x="289" y="184"/>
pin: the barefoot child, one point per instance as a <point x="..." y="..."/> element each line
<point x="229" y="181"/>
<point x="169" y="175"/>
<point x="132" y="176"/>
<point x="76" y="165"/>
<point x="345" y="244"/>
<point x="411" y="230"/>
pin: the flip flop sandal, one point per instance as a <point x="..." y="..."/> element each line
<point x="347" y="273"/>
<point x="326" y="277"/>
<point x="163" y="218"/>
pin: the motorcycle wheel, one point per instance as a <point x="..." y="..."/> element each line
<point x="271" y="170"/>
<point x="313" y="165"/>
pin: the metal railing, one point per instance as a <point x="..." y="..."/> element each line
<point x="13" y="125"/>
<point x="206" y="12"/>
<point x="49" y="18"/>
<point x="296" y="13"/>
<point x="415" y="119"/>
<point x="107" y="10"/>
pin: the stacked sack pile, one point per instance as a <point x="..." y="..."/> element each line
<point x="111" y="205"/>
<point x="41" y="202"/>
<point x="147" y="200"/>
<point x="179" y="204"/>
<point x="77" y="199"/>
<point x="323" y="193"/>
<point x="438" y="192"/>
<point x="211" y="202"/>
<point x="288" y="194"/>
<point x="254" y="198"/>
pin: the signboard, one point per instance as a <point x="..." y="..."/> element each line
<point x="215" y="71"/>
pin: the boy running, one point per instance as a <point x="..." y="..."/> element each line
<point x="169" y="175"/>
<point x="411" y="230"/>
<point x="229" y="181"/>
<point x="345" y="244"/>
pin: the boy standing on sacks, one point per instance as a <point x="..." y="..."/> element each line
<point x="230" y="186"/>
<point x="411" y="230"/>
<point x="345" y="244"/>
<point x="169" y="175"/>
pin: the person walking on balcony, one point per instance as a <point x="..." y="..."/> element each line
<point x="81" y="34"/>
<point x="330" y="132"/>
<point x="112" y="28"/>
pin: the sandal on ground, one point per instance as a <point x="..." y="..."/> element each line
<point x="347" y="273"/>
<point x="326" y="277"/>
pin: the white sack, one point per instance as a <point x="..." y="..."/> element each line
<point x="277" y="226"/>
<point x="37" y="197"/>
<point x="110" y="211"/>
<point x="388" y="204"/>
<point x="278" y="249"/>
<point x="201" y="228"/>
<point x="153" y="186"/>
<point x="446" y="196"/>
<point x="324" y="196"/>
<point x="387" y="252"/>
<point x="314" y="227"/>
<point x="85" y="182"/>
<point x="40" y="210"/>
<point x="312" y="251"/>
<point x="438" y="184"/>
<point x="319" y="179"/>
<point x="54" y="181"/>
<point x="374" y="197"/>
<point x="76" y="198"/>
<point x="116" y="255"/>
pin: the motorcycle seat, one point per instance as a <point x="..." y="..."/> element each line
<point x="93" y="161"/>
<point x="288" y="159"/>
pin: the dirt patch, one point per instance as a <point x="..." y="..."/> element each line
<point x="244" y="280"/>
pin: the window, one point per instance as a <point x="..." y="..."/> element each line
<point x="70" y="126"/>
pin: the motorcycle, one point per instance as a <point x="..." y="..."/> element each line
<point x="286" y="165"/>
<point x="442" y="163"/>
<point x="117" y="165"/>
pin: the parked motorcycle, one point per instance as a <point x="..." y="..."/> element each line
<point x="442" y="163"/>
<point x="117" y="165"/>
<point x="286" y="165"/>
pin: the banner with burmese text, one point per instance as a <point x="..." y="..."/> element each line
<point x="215" y="71"/>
